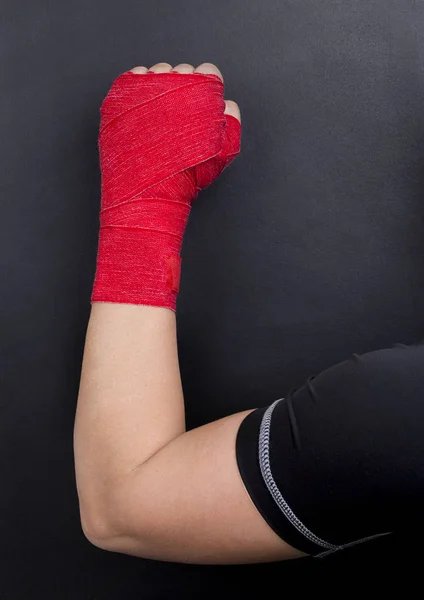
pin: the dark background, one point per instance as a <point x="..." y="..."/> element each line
<point x="308" y="248"/>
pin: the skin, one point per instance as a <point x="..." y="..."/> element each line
<point x="146" y="486"/>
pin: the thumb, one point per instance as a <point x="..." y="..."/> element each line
<point x="231" y="136"/>
<point x="230" y="140"/>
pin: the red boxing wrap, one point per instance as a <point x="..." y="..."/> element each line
<point x="163" y="137"/>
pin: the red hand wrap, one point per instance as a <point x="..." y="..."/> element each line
<point x="163" y="137"/>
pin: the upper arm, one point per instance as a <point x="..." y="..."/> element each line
<point x="188" y="503"/>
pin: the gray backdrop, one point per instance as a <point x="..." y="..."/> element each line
<point x="309" y="247"/>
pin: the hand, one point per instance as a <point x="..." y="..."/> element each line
<point x="165" y="134"/>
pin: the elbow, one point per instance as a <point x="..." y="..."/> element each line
<point x="104" y="535"/>
<point x="98" y="528"/>
<point x="111" y="520"/>
<point x="100" y="511"/>
<point x="102" y="516"/>
<point x="109" y="527"/>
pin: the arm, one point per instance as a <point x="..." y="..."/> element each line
<point x="147" y="487"/>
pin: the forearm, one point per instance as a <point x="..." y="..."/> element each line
<point x="130" y="402"/>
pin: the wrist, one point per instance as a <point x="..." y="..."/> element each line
<point x="133" y="268"/>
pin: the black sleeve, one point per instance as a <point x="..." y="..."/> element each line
<point x="340" y="460"/>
